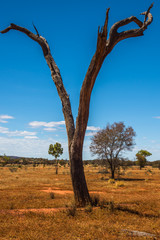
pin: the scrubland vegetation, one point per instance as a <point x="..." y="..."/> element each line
<point x="36" y="203"/>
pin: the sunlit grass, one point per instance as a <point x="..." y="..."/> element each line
<point x="135" y="198"/>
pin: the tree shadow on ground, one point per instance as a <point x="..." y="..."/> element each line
<point x="125" y="179"/>
<point x="126" y="209"/>
<point x="130" y="179"/>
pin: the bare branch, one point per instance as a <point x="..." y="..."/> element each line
<point x="6" y="29"/>
<point x="147" y="13"/>
<point x="106" y="23"/>
<point x="124" y="22"/>
<point x="104" y="47"/>
<point x="56" y="76"/>
<point x="88" y="83"/>
<point x="35" y="29"/>
<point x="115" y="37"/>
<point x="23" y="30"/>
<point x="102" y="33"/>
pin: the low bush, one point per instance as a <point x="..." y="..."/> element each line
<point x="119" y="184"/>
<point x="13" y="169"/>
<point x="95" y="199"/>
<point x="52" y="195"/>
<point x="111" y="181"/>
<point x="88" y="208"/>
<point x="111" y="206"/>
<point x="71" y="210"/>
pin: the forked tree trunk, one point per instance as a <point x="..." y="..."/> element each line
<point x="76" y="134"/>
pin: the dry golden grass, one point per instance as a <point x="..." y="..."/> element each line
<point x="135" y="202"/>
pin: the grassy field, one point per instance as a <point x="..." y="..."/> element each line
<point x="37" y="204"/>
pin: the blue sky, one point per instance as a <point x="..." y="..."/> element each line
<point x="126" y="89"/>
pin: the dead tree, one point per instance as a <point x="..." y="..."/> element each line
<point x="76" y="134"/>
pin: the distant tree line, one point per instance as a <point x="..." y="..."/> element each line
<point x="122" y="163"/>
<point x="11" y="160"/>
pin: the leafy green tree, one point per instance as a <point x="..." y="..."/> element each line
<point x="6" y="160"/>
<point x="55" y="151"/>
<point x="141" y="158"/>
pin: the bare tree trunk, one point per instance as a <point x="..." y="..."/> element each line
<point x="112" y="173"/>
<point x="79" y="184"/>
<point x="56" y="166"/>
<point x="76" y="134"/>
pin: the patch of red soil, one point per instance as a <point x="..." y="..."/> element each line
<point x="57" y="190"/>
<point x="115" y="190"/>
<point x="23" y="211"/>
<point x="60" y="191"/>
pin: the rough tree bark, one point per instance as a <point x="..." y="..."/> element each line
<point x="76" y="133"/>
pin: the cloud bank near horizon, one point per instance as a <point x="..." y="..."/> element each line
<point x="36" y="143"/>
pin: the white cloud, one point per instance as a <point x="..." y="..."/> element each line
<point x="158" y="117"/>
<point x="21" y="133"/>
<point x="16" y="133"/>
<point x="3" y="130"/>
<point x="92" y="128"/>
<point x="89" y="134"/>
<point x="31" y="137"/>
<point x="36" y="124"/>
<point x="4" y="117"/>
<point x="26" y="143"/>
<point x="51" y="126"/>
<point x="3" y="121"/>
<point x="49" y="129"/>
<point x="29" y="147"/>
